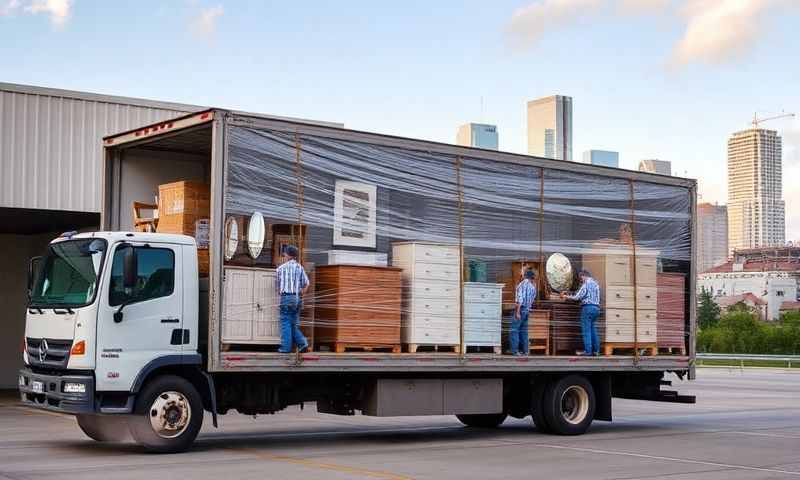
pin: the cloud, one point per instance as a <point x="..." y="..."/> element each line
<point x="642" y="7"/>
<point x="205" y="24"/>
<point x="529" y="24"/>
<point x="57" y="10"/>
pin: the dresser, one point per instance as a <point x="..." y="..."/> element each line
<point x="250" y="310"/>
<point x="358" y="307"/>
<point x="671" y="312"/>
<point x="483" y="315"/>
<point x="565" y="326"/>
<point x="431" y="294"/>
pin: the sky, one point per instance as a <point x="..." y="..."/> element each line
<point x="667" y="79"/>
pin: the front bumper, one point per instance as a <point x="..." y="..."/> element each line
<point x="52" y="395"/>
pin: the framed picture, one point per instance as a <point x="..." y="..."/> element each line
<point x="354" y="214"/>
<point x="279" y="246"/>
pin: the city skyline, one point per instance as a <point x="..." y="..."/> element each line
<point x="481" y="135"/>
<point x="550" y="127"/>
<point x="606" y="158"/>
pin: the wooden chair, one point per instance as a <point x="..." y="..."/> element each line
<point x="145" y="224"/>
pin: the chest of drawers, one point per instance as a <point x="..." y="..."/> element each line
<point x="482" y="314"/>
<point x="671" y="311"/>
<point x="431" y="296"/>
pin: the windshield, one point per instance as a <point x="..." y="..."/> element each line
<point x="67" y="276"/>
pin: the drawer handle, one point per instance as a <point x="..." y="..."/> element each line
<point x="618" y="295"/>
<point x="617" y="315"/>
<point x="617" y="331"/>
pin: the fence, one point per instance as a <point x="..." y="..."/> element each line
<point x="742" y="359"/>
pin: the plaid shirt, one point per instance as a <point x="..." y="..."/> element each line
<point x="589" y="293"/>
<point x="292" y="277"/>
<point x="526" y="294"/>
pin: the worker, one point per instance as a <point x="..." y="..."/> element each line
<point x="525" y="296"/>
<point x="589" y="296"/>
<point x="292" y="284"/>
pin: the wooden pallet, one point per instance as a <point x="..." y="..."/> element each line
<point x="484" y="349"/>
<point x="417" y="347"/>
<point x="252" y="347"/>
<point x="671" y="350"/>
<point x="649" y="349"/>
<point x="340" y="347"/>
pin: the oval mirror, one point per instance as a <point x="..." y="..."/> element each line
<point x="559" y="272"/>
<point x="255" y="235"/>
<point x="231" y="237"/>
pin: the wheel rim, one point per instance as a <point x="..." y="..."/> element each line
<point x="170" y="414"/>
<point x="574" y="404"/>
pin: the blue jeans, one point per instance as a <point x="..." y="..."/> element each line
<point x="591" y="342"/>
<point x="290" y="324"/>
<point x="519" y="332"/>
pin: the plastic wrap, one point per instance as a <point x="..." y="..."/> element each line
<point x="431" y="247"/>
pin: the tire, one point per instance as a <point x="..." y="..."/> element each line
<point x="167" y="416"/>
<point x="488" y="420"/>
<point x="537" y="406"/>
<point x="104" y="428"/>
<point x="569" y="404"/>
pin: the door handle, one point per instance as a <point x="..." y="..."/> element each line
<point x="170" y="320"/>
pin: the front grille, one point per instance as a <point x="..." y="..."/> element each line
<point x="48" y="352"/>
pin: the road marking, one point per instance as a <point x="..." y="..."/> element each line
<point x="757" y="434"/>
<point x="667" y="459"/>
<point x="324" y="466"/>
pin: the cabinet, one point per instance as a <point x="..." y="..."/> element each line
<point x="431" y="296"/>
<point x="671" y="311"/>
<point x="483" y="314"/>
<point x="250" y="312"/>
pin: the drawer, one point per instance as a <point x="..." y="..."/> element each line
<point x="647" y="331"/>
<point x="482" y="295"/>
<point x="439" y="272"/>
<point x="619" y="317"/>
<point x="620" y="335"/>
<point x="420" y="334"/>
<point x="646" y="317"/>
<point x="435" y="307"/>
<point x="434" y="289"/>
<point x="618" y="270"/>
<point x="618" y="297"/>
<point x="483" y="310"/>
<point x="646" y="298"/>
<point x="646" y="271"/>
<point x="437" y="254"/>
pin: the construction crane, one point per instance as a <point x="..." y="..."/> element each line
<point x="757" y="120"/>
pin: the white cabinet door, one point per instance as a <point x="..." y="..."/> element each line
<point x="265" y="316"/>
<point x="237" y="324"/>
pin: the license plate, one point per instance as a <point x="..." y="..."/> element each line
<point x="37" y="387"/>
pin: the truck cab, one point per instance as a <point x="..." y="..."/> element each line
<point x="107" y="312"/>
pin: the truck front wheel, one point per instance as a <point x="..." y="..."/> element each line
<point x="488" y="420"/>
<point x="568" y="406"/>
<point x="104" y="428"/>
<point x="168" y="415"/>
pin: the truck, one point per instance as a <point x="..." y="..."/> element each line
<point x="140" y="332"/>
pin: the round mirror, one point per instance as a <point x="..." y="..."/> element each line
<point x="255" y="235"/>
<point x="231" y="237"/>
<point x="559" y="272"/>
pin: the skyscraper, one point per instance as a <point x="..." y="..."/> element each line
<point x="662" y="167"/>
<point x="756" y="210"/>
<point x="550" y="127"/>
<point x="712" y="236"/>
<point x="601" y="157"/>
<point x="477" y="135"/>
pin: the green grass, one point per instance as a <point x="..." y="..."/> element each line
<point x="746" y="363"/>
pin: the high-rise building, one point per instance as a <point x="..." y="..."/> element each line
<point x="661" y="167"/>
<point x="550" y="127"/>
<point x="477" y="135"/>
<point x="712" y="236"/>
<point x="601" y="157"/>
<point x="756" y="210"/>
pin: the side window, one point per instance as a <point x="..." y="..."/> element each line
<point x="156" y="276"/>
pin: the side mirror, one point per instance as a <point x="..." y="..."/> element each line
<point x="130" y="268"/>
<point x="33" y="269"/>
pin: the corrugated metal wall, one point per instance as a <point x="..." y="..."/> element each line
<point x="50" y="147"/>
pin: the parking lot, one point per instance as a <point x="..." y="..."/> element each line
<point x="746" y="425"/>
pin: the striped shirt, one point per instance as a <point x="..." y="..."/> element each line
<point x="589" y="293"/>
<point x="526" y="293"/>
<point x="292" y="277"/>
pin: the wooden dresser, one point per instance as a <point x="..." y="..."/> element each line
<point x="671" y="312"/>
<point x="483" y="315"/>
<point x="565" y="326"/>
<point x="358" y="307"/>
<point x="431" y="296"/>
<point x="250" y="312"/>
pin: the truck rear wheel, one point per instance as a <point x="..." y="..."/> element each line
<point x="488" y="420"/>
<point x="568" y="406"/>
<point x="168" y="415"/>
<point x="104" y="428"/>
<point x="537" y="406"/>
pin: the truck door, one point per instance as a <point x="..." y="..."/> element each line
<point x="152" y="314"/>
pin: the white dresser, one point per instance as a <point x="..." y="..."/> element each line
<point x="431" y="300"/>
<point x="483" y="305"/>
<point x="250" y="311"/>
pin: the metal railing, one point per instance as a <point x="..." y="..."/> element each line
<point x="742" y="358"/>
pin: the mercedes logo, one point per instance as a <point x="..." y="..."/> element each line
<point x="43" y="350"/>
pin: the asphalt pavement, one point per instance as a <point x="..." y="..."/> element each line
<point x="746" y="425"/>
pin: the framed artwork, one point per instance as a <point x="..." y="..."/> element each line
<point x="279" y="246"/>
<point x="354" y="214"/>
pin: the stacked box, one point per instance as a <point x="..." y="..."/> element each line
<point x="184" y="208"/>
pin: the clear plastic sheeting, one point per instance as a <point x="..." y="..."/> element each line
<point x="413" y="251"/>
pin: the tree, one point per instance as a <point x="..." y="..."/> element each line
<point x="708" y="311"/>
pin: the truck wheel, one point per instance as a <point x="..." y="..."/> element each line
<point x="168" y="415"/>
<point x="104" y="428"/>
<point x="537" y="407"/>
<point x="489" y="420"/>
<point x="568" y="406"/>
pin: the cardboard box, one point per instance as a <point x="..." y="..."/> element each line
<point x="184" y="208"/>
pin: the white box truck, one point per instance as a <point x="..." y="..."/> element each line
<point x="124" y="332"/>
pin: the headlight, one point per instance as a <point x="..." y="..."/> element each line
<point x="74" y="388"/>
